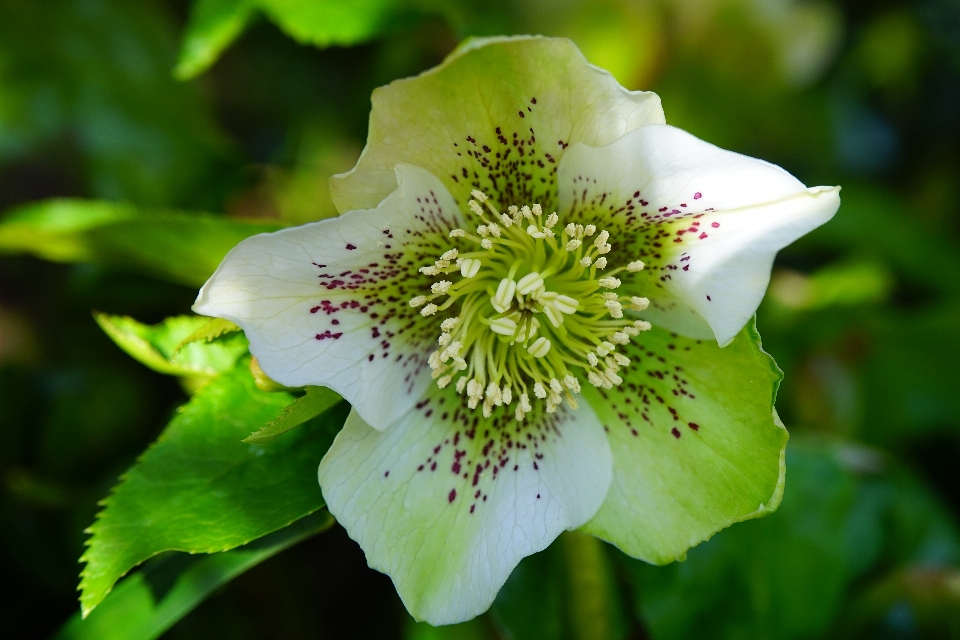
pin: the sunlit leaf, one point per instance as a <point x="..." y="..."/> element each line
<point x="200" y="489"/>
<point x="314" y="402"/>
<point x="152" y="600"/>
<point x="181" y="247"/>
<point x="209" y="331"/>
<point x="159" y="346"/>
<point x="213" y="26"/>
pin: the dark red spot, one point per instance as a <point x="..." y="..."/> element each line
<point x="452" y="495"/>
<point x="351" y="247"/>
<point x="714" y="224"/>
<point x="697" y="195"/>
<point x="694" y="426"/>
<point x="675" y="432"/>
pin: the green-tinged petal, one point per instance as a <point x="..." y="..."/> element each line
<point x="447" y="503"/>
<point x="706" y="222"/>
<point x="696" y="443"/>
<point x="327" y="304"/>
<point x="497" y="115"/>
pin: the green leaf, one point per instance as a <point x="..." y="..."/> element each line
<point x="177" y="246"/>
<point x="213" y="26"/>
<point x="200" y="489"/>
<point x="161" y="347"/>
<point x="210" y="331"/>
<point x="308" y="406"/>
<point x="152" y="600"/>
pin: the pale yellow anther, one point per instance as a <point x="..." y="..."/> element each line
<point x="539" y="348"/>
<point x="592" y="359"/>
<point x="621" y="359"/>
<point x="486" y="243"/>
<point x="450" y="255"/>
<point x="594" y="379"/>
<point x="537" y="210"/>
<point x="525" y="402"/>
<point x="475" y="207"/>
<point x="534" y="232"/>
<point x="573" y="245"/>
<point x="529" y="283"/>
<point x="461" y="384"/>
<point x="483" y="231"/>
<point x="551" y="220"/>
<point x="601" y="263"/>
<point x="570" y="229"/>
<point x="469" y="267"/>
<point x="614" y="379"/>
<point x="631" y="331"/>
<point x="449" y="324"/>
<point x="639" y="304"/>
<point x="430" y="270"/>
<point x="444" y="339"/>
<point x="503" y="326"/>
<point x="555" y="386"/>
<point x="539" y="390"/>
<point x="525" y="212"/>
<point x="441" y="287"/>
<point x="428" y="310"/>
<point x="609" y="295"/>
<point x="589" y="230"/>
<point x="452" y="350"/>
<point x="506" y="220"/>
<point x="620" y="338"/>
<point x="642" y="325"/>
<point x="479" y="195"/>
<point x="604" y="249"/>
<point x="586" y="261"/>
<point x="636" y="265"/>
<point x="609" y="282"/>
<point x="571" y="383"/>
<point x="503" y="298"/>
<point x="554" y="316"/>
<point x="444" y="381"/>
<point x="602" y="238"/>
<point x="602" y="349"/>
<point x="458" y="233"/>
<point x="507" y="394"/>
<point x="566" y="304"/>
<point x="418" y="301"/>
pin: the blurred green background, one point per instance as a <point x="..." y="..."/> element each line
<point x="245" y="108"/>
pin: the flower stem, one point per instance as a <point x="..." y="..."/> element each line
<point x="591" y="595"/>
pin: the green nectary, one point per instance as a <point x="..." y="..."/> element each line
<point x="534" y="306"/>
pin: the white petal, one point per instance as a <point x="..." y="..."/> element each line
<point x="327" y="303"/>
<point x="448" y="535"/>
<point x="706" y="222"/>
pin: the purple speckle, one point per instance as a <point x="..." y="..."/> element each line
<point x="351" y="247"/>
<point x="697" y="195"/>
<point x="452" y="495"/>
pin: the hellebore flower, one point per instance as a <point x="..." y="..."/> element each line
<point x="523" y="301"/>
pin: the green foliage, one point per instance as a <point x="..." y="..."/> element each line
<point x="200" y="489"/>
<point x="315" y="401"/>
<point x="166" y="348"/>
<point x="210" y="331"/>
<point x="181" y="247"/>
<point x="92" y="79"/>
<point x="844" y="513"/>
<point x="215" y="24"/>
<point x="150" y="601"/>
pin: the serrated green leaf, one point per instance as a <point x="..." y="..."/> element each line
<point x="151" y="601"/>
<point x="213" y="26"/>
<point x="159" y="346"/>
<point x="177" y="246"/>
<point x="314" y="402"/>
<point x="200" y="489"/>
<point x="210" y="331"/>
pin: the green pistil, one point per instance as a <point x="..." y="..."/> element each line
<point x="515" y="355"/>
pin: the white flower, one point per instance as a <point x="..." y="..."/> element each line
<point x="455" y="464"/>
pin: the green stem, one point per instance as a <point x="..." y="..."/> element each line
<point x="591" y="601"/>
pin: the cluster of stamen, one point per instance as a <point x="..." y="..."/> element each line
<point x="535" y="306"/>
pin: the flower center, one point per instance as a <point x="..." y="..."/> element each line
<point x="534" y="307"/>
